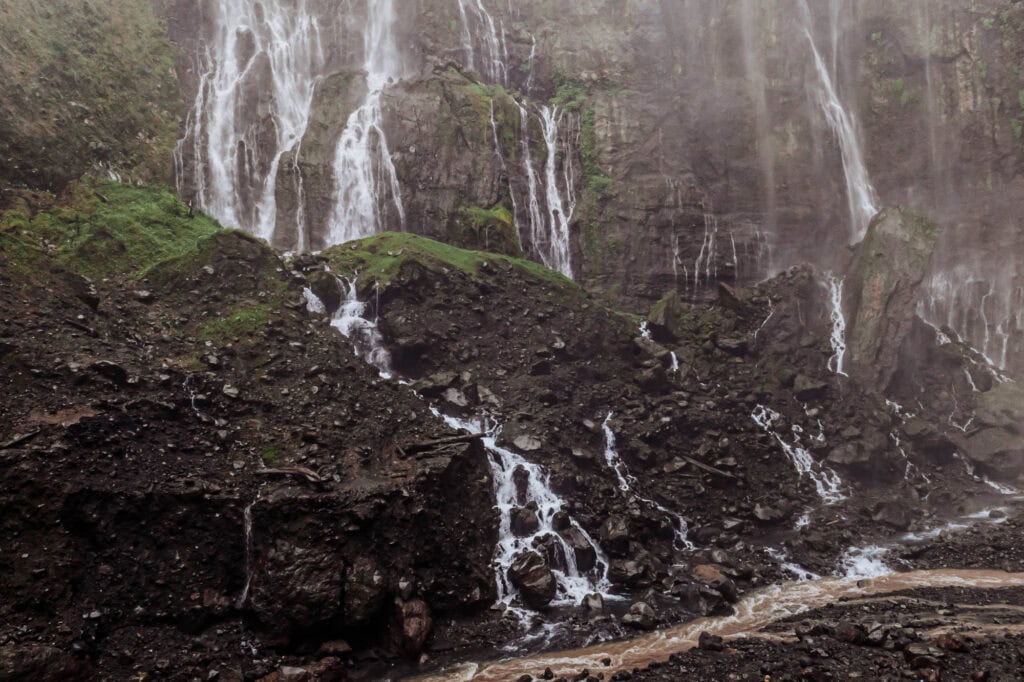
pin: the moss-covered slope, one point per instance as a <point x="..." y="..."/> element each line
<point x="85" y="84"/>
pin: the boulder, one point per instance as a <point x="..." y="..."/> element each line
<point x="615" y="536"/>
<point x="806" y="388"/>
<point x="998" y="452"/>
<point x="583" y="551"/>
<point x="882" y="291"/>
<point x="640" y="616"/>
<point x="533" y="578"/>
<point x="413" y="625"/>
<point x="524" y="522"/>
<point x="297" y="587"/>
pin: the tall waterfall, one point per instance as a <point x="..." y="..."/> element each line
<point x="477" y="21"/>
<point x="261" y="63"/>
<point x="860" y="194"/>
<point x="364" y="173"/>
<point x="549" y="216"/>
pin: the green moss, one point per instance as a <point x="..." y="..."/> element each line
<point x="569" y="94"/>
<point x="988" y="22"/>
<point x="876" y="37"/>
<point x="381" y="258"/>
<point x="271" y="454"/>
<point x="239" y="325"/>
<point x="1018" y="128"/>
<point x="490" y="229"/>
<point x="104" y="229"/>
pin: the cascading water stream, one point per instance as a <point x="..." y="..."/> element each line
<point x="223" y="135"/>
<point x="573" y="581"/>
<point x="581" y="567"/>
<point x="494" y="51"/>
<point x="627" y="482"/>
<point x="860" y="194"/>
<point x="826" y="481"/>
<point x="838" y="337"/>
<point x="364" y="173"/>
<point x="559" y="214"/>
<point x="755" y="612"/>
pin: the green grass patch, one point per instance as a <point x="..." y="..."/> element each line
<point x="105" y="229"/>
<point x="271" y="455"/>
<point x="380" y="259"/>
<point x="243" y="323"/>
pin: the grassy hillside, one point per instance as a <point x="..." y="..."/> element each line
<point x="83" y="83"/>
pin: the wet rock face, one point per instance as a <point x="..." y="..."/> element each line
<point x="996" y="444"/>
<point x="884" y="288"/>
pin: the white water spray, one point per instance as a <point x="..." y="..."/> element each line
<point x="627" y="482"/>
<point x="827" y="482"/>
<point x="224" y="136"/>
<point x="860" y="194"/>
<point x="560" y="214"/>
<point x="493" y="50"/>
<point x="573" y="584"/>
<point x="364" y="173"/>
<point x="838" y="337"/>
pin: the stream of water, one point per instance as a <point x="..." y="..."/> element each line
<point x="756" y="611"/>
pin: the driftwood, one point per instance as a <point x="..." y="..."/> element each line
<point x="78" y="325"/>
<point x="440" y="442"/>
<point x="19" y="440"/>
<point x="301" y="472"/>
<point x="705" y="467"/>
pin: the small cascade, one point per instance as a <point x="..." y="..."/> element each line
<point x="838" y="337"/>
<point x="706" y="265"/>
<point x="674" y="367"/>
<point x="574" y="545"/>
<point x="864" y="562"/>
<point x="627" y="481"/>
<point x="826" y="481"/>
<point x="560" y="213"/>
<point x="538" y="226"/>
<point x="645" y="330"/>
<point x="860" y="193"/>
<point x="250" y="558"/>
<point x="796" y="570"/>
<point x="365" y="336"/>
<point x="573" y="582"/>
<point x="364" y="174"/>
<point x="224" y="140"/>
<point x="476" y="20"/>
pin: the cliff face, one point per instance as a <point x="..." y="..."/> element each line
<point x="693" y="142"/>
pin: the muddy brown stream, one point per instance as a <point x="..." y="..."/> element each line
<point x="756" y="611"/>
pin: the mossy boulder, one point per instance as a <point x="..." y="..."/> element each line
<point x="887" y="271"/>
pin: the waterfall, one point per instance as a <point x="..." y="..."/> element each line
<point x="350" y="320"/>
<point x="860" y="194"/>
<point x="234" y="179"/>
<point x="362" y="160"/>
<point x="838" y="337"/>
<point x="573" y="583"/>
<point x="826" y="481"/>
<point x="707" y="258"/>
<point x="560" y="214"/>
<point x="550" y="236"/>
<point x="494" y="52"/>
<point x="627" y="481"/>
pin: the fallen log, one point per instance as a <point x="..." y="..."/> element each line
<point x="440" y="442"/>
<point x="705" y="467"/>
<point x="301" y="472"/>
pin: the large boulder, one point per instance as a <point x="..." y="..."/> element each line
<point x="997" y="445"/>
<point x="297" y="587"/>
<point x="533" y="578"/>
<point x="882" y="291"/>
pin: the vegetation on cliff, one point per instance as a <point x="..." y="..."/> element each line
<point x="87" y="85"/>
